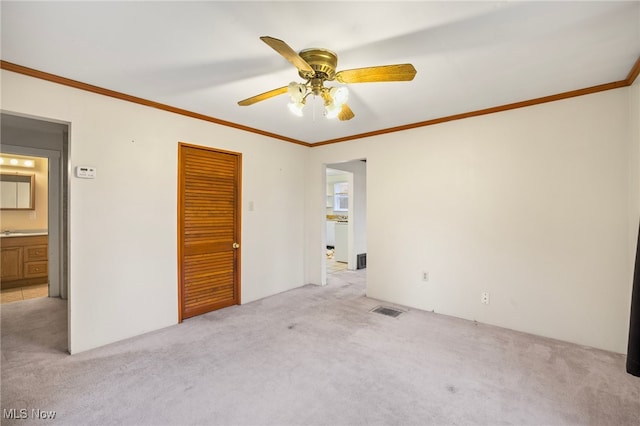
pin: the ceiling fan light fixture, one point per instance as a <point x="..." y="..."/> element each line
<point x="297" y="91"/>
<point x="340" y="95"/>
<point x="334" y="99"/>
<point x="296" y="108"/>
<point x="331" y="110"/>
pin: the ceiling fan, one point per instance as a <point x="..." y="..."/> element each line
<point x="319" y="65"/>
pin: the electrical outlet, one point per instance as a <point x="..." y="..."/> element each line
<point x="425" y="276"/>
<point x="485" y="298"/>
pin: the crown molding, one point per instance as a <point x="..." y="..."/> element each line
<point x="492" y="110"/>
<point x="633" y="74"/>
<point x="628" y="81"/>
<point x="124" y="97"/>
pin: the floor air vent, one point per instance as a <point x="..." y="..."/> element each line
<point x="384" y="310"/>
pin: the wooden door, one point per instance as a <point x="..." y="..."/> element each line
<point x="209" y="229"/>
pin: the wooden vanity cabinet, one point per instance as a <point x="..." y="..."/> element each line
<point x="35" y="261"/>
<point x="24" y="260"/>
<point x="11" y="263"/>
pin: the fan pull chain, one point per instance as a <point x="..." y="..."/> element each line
<point x="314" y="108"/>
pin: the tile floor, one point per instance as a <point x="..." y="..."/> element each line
<point x="332" y="265"/>
<point x="23" y="293"/>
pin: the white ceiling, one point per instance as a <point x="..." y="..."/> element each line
<point x="206" y="56"/>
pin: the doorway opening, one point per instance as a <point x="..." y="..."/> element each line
<point x="24" y="199"/>
<point x="345" y="216"/>
<point x="35" y="233"/>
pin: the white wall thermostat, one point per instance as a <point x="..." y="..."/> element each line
<point x="86" y="172"/>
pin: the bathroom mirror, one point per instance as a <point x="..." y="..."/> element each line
<point x="17" y="191"/>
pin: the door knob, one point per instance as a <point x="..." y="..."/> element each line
<point x="236" y="245"/>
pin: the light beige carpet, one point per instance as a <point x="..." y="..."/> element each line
<point x="310" y="356"/>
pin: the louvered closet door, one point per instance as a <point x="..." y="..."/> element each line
<point x="209" y="228"/>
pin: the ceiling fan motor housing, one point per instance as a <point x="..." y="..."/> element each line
<point x="324" y="62"/>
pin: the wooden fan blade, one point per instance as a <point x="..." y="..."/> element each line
<point x="399" y="72"/>
<point x="262" y="96"/>
<point x="345" y="113"/>
<point x="289" y="54"/>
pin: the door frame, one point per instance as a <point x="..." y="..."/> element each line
<point x="238" y="214"/>
<point x="59" y="223"/>
<point x="353" y="218"/>
<point x="57" y="286"/>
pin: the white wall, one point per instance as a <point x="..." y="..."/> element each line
<point x="634" y="158"/>
<point x="123" y="230"/>
<point x="634" y="172"/>
<point x="529" y="205"/>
